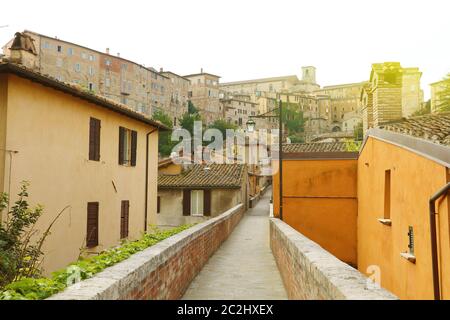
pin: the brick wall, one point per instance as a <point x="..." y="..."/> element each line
<point x="163" y="271"/>
<point x="310" y="272"/>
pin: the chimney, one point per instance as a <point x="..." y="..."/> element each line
<point x="118" y="54"/>
<point x="107" y="50"/>
<point x="201" y="70"/>
<point x="161" y="70"/>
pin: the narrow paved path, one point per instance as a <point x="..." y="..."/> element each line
<point x="243" y="267"/>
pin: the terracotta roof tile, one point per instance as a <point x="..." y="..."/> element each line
<point x="432" y="127"/>
<point x="205" y="176"/>
<point x="315" y="147"/>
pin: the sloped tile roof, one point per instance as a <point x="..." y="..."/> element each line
<point x="315" y="147"/>
<point x="226" y="176"/>
<point x="432" y="127"/>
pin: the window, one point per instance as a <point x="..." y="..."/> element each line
<point x="91" y="86"/>
<point x="127" y="147"/>
<point x="59" y="48"/>
<point x="91" y="57"/>
<point x="70" y="51"/>
<point x="387" y="194"/>
<point x="84" y="55"/>
<point x="46" y="45"/>
<point x="124" y="218"/>
<point x="92" y="225"/>
<point x="94" y="139"/>
<point x="91" y="70"/>
<point x="411" y="240"/>
<point x="77" y="67"/>
<point x="108" y="62"/>
<point x="197" y="202"/>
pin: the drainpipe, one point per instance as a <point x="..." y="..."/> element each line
<point x="146" y="178"/>
<point x="434" y="251"/>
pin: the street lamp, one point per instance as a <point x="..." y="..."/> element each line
<point x="251" y="126"/>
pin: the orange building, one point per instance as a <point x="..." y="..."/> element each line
<point x="400" y="168"/>
<point x="385" y="211"/>
<point x="319" y="195"/>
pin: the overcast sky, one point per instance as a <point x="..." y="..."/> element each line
<point x="245" y="39"/>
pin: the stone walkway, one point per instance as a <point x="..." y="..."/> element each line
<point x="243" y="267"/>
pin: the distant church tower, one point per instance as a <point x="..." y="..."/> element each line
<point x="309" y="74"/>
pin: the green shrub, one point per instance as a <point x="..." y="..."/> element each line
<point x="37" y="289"/>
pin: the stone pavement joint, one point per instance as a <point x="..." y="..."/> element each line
<point x="243" y="267"/>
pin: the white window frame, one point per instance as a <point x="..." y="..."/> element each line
<point x="197" y="209"/>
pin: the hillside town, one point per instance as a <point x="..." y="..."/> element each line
<point x="349" y="184"/>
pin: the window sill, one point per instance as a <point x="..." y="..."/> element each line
<point x="408" y="256"/>
<point x="386" y="222"/>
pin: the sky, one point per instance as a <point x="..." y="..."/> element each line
<point x="248" y="39"/>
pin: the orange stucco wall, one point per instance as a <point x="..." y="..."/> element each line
<point x="50" y="131"/>
<point x="413" y="181"/>
<point x="319" y="200"/>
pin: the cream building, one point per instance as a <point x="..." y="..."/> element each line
<point x="81" y="151"/>
<point x="289" y="83"/>
<point x="204" y="94"/>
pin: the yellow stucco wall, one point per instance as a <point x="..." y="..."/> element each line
<point x="50" y="129"/>
<point x="3" y="103"/>
<point x="413" y="181"/>
<point x="319" y="200"/>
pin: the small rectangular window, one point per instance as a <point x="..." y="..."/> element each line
<point x="387" y="194"/>
<point x="92" y="224"/>
<point x="127" y="147"/>
<point x="411" y="240"/>
<point x="124" y="219"/>
<point x="197" y="202"/>
<point x="59" y="48"/>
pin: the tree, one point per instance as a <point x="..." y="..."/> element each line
<point x="222" y="125"/>
<point x="165" y="145"/>
<point x="423" y="111"/>
<point x="191" y="108"/>
<point x="443" y="95"/>
<point x="187" y="121"/>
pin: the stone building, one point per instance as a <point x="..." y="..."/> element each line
<point x="392" y="93"/>
<point x="121" y="80"/>
<point x="436" y="91"/>
<point x="289" y="83"/>
<point x="178" y="99"/>
<point x="198" y="192"/>
<point x="237" y="109"/>
<point x="204" y="94"/>
<point x="344" y="98"/>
